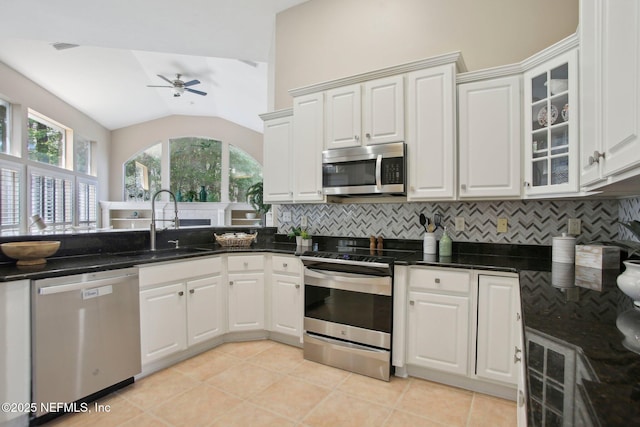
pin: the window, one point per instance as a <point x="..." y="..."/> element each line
<point x="82" y="155"/>
<point x="143" y="174"/>
<point x="9" y="198"/>
<point x="86" y="201"/>
<point x="52" y="198"/>
<point x="5" y="123"/>
<point x="244" y="172"/>
<point x="194" y="163"/>
<point x="46" y="142"/>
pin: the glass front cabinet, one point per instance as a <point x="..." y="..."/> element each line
<point x="551" y="116"/>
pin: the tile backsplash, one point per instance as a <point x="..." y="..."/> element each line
<point x="529" y="221"/>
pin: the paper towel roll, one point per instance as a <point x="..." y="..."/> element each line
<point x="564" y="249"/>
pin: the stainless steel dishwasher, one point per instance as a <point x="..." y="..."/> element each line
<point x="85" y="338"/>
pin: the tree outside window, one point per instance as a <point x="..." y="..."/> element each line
<point x="46" y="142"/>
<point x="134" y="183"/>
<point x="195" y="163"/>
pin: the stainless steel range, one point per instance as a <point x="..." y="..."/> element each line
<point x="348" y="311"/>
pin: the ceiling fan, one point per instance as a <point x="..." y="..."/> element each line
<point x="179" y="86"/>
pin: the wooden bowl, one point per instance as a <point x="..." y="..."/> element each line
<point x="30" y="253"/>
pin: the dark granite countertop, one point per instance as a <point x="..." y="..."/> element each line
<point x="568" y="315"/>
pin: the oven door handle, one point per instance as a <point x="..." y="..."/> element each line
<point x="349" y="282"/>
<point x="379" y="172"/>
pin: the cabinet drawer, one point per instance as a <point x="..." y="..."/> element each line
<point x="245" y="263"/>
<point x="284" y="264"/>
<point x="441" y="280"/>
<point x="179" y="270"/>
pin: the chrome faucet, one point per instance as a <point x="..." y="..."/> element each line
<point x="152" y="227"/>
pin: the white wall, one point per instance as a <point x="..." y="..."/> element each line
<point x="322" y="40"/>
<point x="17" y="89"/>
<point x="127" y="142"/>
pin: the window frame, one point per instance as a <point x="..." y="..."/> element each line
<point x="7" y="142"/>
<point x="19" y="170"/>
<point x="66" y="145"/>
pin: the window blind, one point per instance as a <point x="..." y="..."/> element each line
<point x="9" y="199"/>
<point x="51" y="198"/>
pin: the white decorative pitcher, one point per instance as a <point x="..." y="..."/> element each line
<point x="629" y="281"/>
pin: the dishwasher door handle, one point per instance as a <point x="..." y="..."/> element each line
<point x="57" y="289"/>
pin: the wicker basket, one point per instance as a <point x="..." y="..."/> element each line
<point x="235" y="240"/>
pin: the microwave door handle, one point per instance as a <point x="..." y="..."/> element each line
<point x="379" y="172"/>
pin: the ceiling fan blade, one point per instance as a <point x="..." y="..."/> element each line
<point x="159" y="86"/>
<point x="195" y="91"/>
<point x="191" y="83"/>
<point x="165" y="79"/>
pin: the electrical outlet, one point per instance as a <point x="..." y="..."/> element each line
<point x="304" y="221"/>
<point x="286" y="216"/>
<point x="502" y="225"/>
<point x="459" y="223"/>
<point x="574" y="226"/>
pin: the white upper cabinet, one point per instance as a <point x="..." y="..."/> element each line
<point x="490" y="135"/>
<point x="431" y="137"/>
<point x="383" y="110"/>
<point x="362" y="114"/>
<point x="610" y="90"/>
<point x="344" y="116"/>
<point x="551" y="127"/>
<point x="278" y="152"/>
<point x="308" y="132"/>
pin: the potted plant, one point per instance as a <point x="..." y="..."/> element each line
<point x="255" y="199"/>
<point x="303" y="238"/>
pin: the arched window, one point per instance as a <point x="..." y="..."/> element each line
<point x="225" y="171"/>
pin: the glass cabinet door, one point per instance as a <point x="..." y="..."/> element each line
<point x="550" y="164"/>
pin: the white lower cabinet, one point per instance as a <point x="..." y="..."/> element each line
<point x="438" y="319"/>
<point x="438" y="331"/>
<point x="286" y="296"/>
<point x="181" y="304"/>
<point x="205" y="318"/>
<point x="15" y="355"/>
<point x="464" y="328"/>
<point x="246" y="292"/>
<point x="499" y="348"/>
<point x="163" y="321"/>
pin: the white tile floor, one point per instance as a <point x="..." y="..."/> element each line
<point x="264" y="383"/>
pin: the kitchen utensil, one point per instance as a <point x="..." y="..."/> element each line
<point x="431" y="227"/>
<point x="423" y="221"/>
<point x="437" y="220"/>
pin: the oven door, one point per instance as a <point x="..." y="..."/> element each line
<point x="348" y="306"/>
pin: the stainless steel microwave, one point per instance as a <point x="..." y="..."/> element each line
<point x="367" y="170"/>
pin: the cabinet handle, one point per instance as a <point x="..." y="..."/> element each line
<point x="518" y="317"/>
<point x="319" y="192"/>
<point x="412" y="303"/>
<point x="527" y="184"/>
<point x="368" y="135"/>
<point x="284" y="265"/>
<point x="520" y="398"/>
<point x="297" y="286"/>
<point x="231" y="283"/>
<point x="516" y="358"/>
<point x="437" y="280"/>
<point x="596" y="157"/>
<point x="356" y="137"/>
<point x="192" y="291"/>
<point x="180" y="293"/>
<point x="463" y="187"/>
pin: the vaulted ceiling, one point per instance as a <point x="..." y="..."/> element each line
<point x="124" y="44"/>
